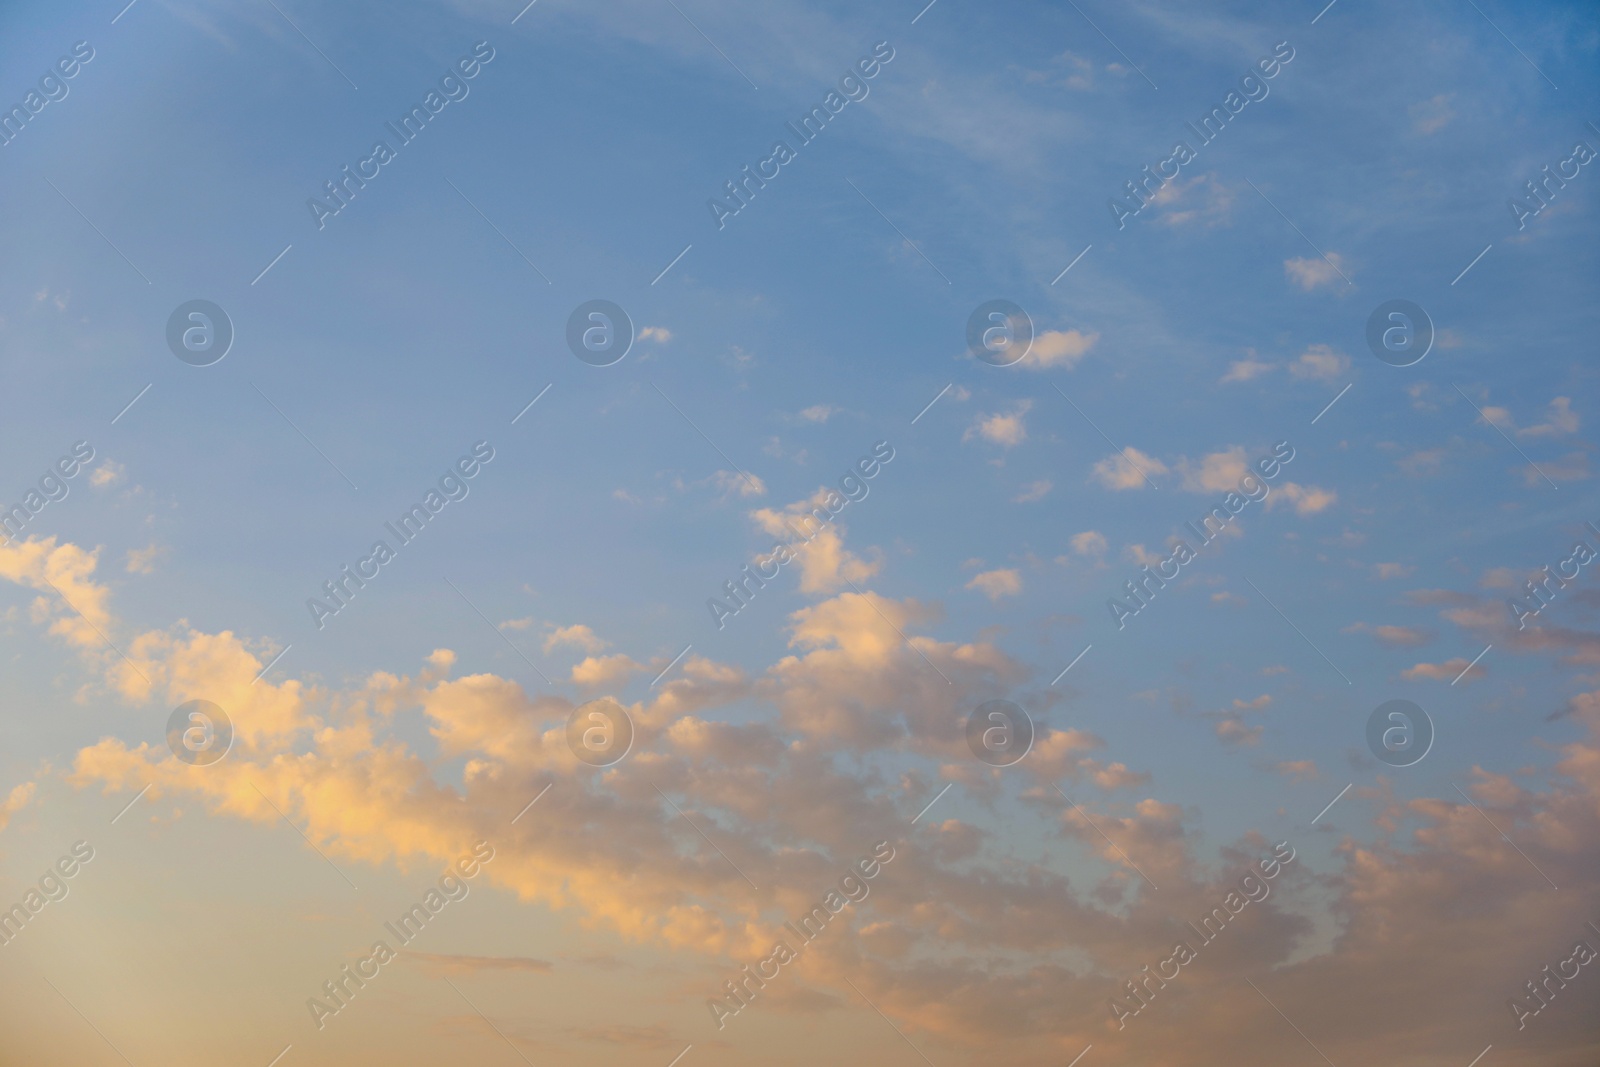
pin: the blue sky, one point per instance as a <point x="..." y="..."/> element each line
<point x="820" y="320"/>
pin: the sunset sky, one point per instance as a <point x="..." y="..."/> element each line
<point x="1211" y="329"/>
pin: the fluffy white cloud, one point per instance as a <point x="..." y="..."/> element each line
<point x="1311" y="272"/>
<point x="577" y="635"/>
<point x="997" y="583"/>
<point x="1243" y="370"/>
<point x="1128" y="469"/>
<point x="1322" y="363"/>
<point x="1217" y="472"/>
<point x="1033" y="492"/>
<point x="1006" y="429"/>
<point x="1307" y="499"/>
<point x="1057" y="348"/>
<point x="1089" y="543"/>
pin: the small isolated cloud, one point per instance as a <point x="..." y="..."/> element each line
<point x="1141" y="556"/>
<point x="142" y="560"/>
<point x="524" y="623"/>
<point x="1499" y="417"/>
<point x="1256" y="704"/>
<point x="1201" y="200"/>
<point x="1447" y="671"/>
<point x="1243" y="370"/>
<point x="1394" y="636"/>
<point x="819" y="413"/>
<point x="659" y="334"/>
<point x="601" y="671"/>
<point x="577" y="636"/>
<point x="1089" y="543"/>
<point x="1307" y="499"/>
<point x="1322" y="363"/>
<point x="1059" y="348"/>
<point x="1033" y="492"/>
<point x="1075" y="73"/>
<point x="1386" y="571"/>
<point x="1311" y="272"/>
<point x="1431" y="116"/>
<point x="1233" y="731"/>
<point x="1127" y="469"/>
<point x="733" y="483"/>
<point x="1006" y="429"/>
<point x="996" y="584"/>
<point x="1218" y="472"/>
<point x="107" y="474"/>
<point x="1562" y="419"/>
<point x="1300" y="770"/>
<point x="1422" y="463"/>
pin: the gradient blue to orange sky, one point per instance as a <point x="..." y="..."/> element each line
<point x="776" y="525"/>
